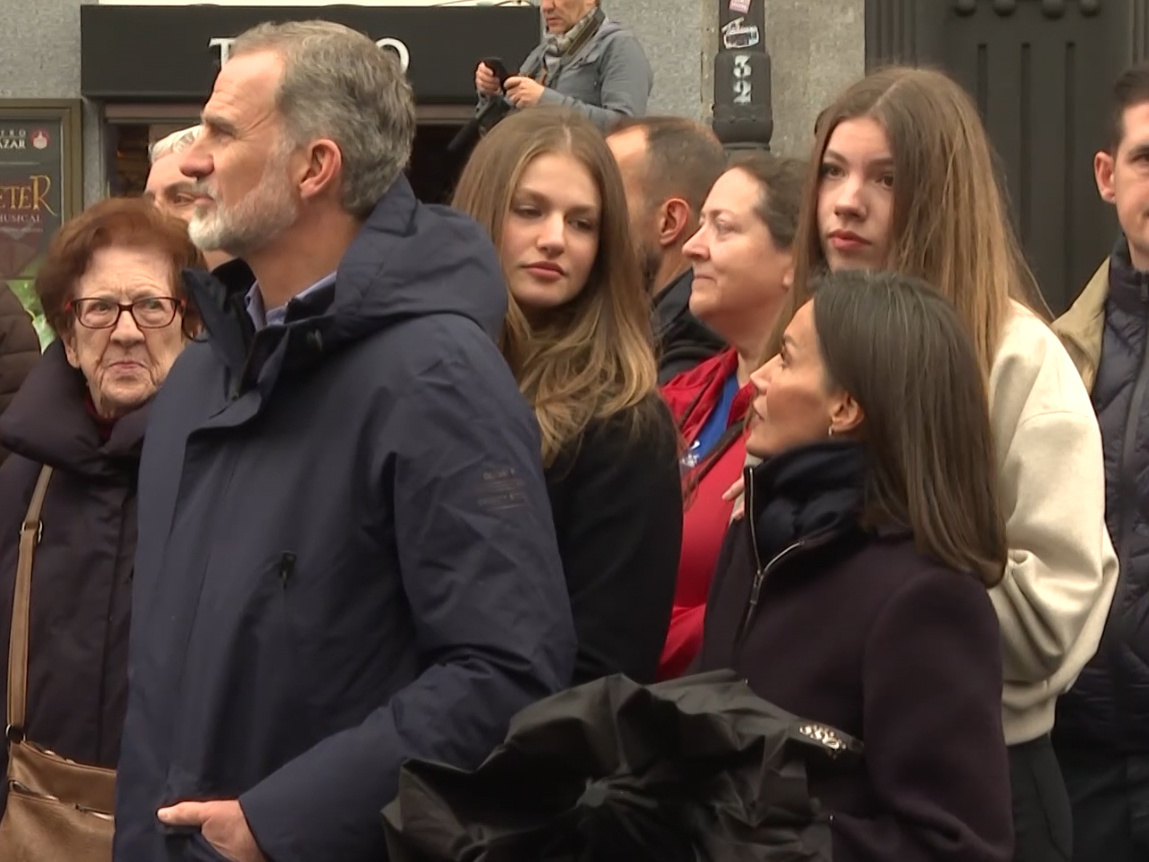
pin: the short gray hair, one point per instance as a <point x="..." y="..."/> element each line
<point x="338" y="84"/>
<point x="176" y="142"/>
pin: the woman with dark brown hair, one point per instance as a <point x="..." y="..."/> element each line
<point x="111" y="291"/>
<point x="853" y="592"/>
<point x="578" y="338"/>
<point x="904" y="180"/>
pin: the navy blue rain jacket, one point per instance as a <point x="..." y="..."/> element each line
<point x="346" y="555"/>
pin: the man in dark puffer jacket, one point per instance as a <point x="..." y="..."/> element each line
<point x="19" y="348"/>
<point x="668" y="165"/>
<point x="1102" y="730"/>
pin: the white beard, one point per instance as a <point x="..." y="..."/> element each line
<point x="256" y="219"/>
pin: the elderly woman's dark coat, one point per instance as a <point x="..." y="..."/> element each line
<point x="81" y="578"/>
<point x="19" y="348"/>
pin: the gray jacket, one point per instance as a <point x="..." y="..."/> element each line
<point x="607" y="79"/>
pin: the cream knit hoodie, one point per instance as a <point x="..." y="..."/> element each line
<point x="1062" y="570"/>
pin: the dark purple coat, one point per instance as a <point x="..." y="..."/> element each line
<point x="859" y="631"/>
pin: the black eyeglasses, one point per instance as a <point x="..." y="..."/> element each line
<point x="152" y="312"/>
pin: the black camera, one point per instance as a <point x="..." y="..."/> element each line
<point x="493" y="112"/>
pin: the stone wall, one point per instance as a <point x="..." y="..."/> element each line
<point x="817" y="48"/>
<point x="672" y="35"/>
<point x="40" y="44"/>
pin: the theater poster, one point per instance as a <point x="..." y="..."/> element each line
<point x="41" y="185"/>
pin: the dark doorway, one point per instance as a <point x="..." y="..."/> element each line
<point x="434" y="171"/>
<point x="1040" y="71"/>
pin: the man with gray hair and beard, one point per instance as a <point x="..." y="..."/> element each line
<point x="346" y="556"/>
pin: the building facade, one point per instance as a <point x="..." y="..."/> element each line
<point x="1039" y="70"/>
<point x="814" y="52"/>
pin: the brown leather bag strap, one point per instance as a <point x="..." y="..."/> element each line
<point x="30" y="533"/>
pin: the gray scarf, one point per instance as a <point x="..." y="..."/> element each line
<point x="557" y="44"/>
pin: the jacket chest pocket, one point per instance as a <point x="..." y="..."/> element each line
<point x="307" y="616"/>
<point x="294" y="617"/>
<point x="582" y="78"/>
<point x="285" y="607"/>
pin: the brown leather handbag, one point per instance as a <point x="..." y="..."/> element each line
<point x="57" y="809"/>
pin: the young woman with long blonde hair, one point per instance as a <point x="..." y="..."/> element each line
<point x="903" y="179"/>
<point x="578" y="338"/>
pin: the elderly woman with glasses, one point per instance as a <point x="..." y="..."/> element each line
<point x="110" y="288"/>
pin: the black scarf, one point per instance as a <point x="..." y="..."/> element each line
<point x="805" y="491"/>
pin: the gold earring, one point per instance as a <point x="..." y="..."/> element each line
<point x="831" y="434"/>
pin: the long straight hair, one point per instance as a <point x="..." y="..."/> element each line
<point x="899" y="348"/>
<point x="592" y="358"/>
<point x="951" y="225"/>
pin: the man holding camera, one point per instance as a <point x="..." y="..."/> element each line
<point x="585" y="62"/>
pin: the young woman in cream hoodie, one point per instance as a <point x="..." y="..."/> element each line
<point x="903" y="179"/>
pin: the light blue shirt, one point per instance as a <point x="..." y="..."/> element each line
<point x="264" y="317"/>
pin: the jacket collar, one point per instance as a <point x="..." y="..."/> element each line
<point x="673" y="300"/>
<point x="559" y="43"/>
<point x="406" y="261"/>
<point x="221" y="297"/>
<point x="533" y="64"/>
<point x="1082" y="327"/>
<point x="721" y="367"/>
<point x="309" y="331"/>
<point x="48" y="422"/>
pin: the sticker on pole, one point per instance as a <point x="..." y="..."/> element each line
<point x="742" y="85"/>
<point x="742" y="7"/>
<point x="737" y="35"/>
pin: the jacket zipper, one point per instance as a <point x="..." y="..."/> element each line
<point x="286" y="568"/>
<point x="100" y="715"/>
<point x="1127" y="487"/>
<point x="756" y="587"/>
<point x="760" y="571"/>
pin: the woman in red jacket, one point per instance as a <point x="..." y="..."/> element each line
<point x="742" y="269"/>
